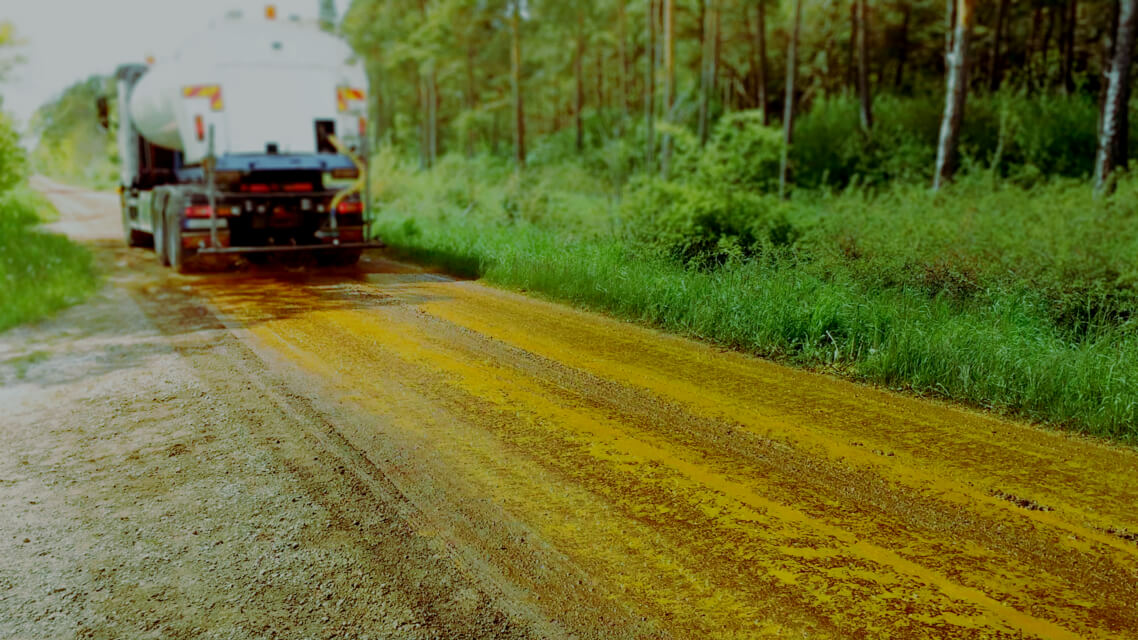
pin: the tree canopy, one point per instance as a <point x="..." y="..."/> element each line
<point x="1039" y="46"/>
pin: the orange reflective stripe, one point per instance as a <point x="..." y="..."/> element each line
<point x="211" y="91"/>
<point x="344" y="94"/>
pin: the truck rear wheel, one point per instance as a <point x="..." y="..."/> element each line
<point x="158" y="223"/>
<point x="133" y="237"/>
<point x="179" y="258"/>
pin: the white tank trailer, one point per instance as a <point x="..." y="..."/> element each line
<point x="247" y="139"/>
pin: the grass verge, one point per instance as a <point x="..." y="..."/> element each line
<point x="40" y="272"/>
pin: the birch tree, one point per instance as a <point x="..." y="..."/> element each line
<point x="956" y="91"/>
<point x="1111" y="148"/>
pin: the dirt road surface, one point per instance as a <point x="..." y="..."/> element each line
<point x="383" y="451"/>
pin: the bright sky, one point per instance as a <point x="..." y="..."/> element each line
<point x="69" y="40"/>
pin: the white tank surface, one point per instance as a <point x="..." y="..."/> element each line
<point x="260" y="83"/>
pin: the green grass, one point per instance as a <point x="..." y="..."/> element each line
<point x="40" y="272"/>
<point x="1001" y="297"/>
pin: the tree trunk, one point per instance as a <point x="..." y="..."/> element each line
<point x="471" y="100"/>
<point x="761" y="42"/>
<point x="1029" y="61"/>
<point x="601" y="104"/>
<point x="718" y="45"/>
<point x="851" y="68"/>
<point x="378" y="113"/>
<point x="863" y="66"/>
<point x="949" y="31"/>
<point x="424" y="125"/>
<point x="428" y="103"/>
<point x="903" y="47"/>
<point x="432" y="117"/>
<point x="994" y="62"/>
<point x="579" y="72"/>
<point x="554" y="109"/>
<point x="705" y="76"/>
<point x="1107" y="60"/>
<point x="669" y="77"/>
<point x="1115" y="124"/>
<point x="622" y="53"/>
<point x="1045" y="46"/>
<point x="516" y="85"/>
<point x="956" y="90"/>
<point x="788" y="106"/>
<point x="1069" y="46"/>
<point x="495" y="127"/>
<point x="650" y="87"/>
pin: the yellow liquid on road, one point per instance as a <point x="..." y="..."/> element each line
<point x="708" y="494"/>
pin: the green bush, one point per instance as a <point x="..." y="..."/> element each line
<point x="702" y="225"/>
<point x="742" y="154"/>
<point x="1024" y="137"/>
<point x="486" y="188"/>
<point x="831" y="150"/>
<point x="1054" y="243"/>
<point x="1047" y="135"/>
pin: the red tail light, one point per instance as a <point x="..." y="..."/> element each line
<point x="199" y="128"/>
<point x="203" y="211"/>
<point x="298" y="186"/>
<point x="198" y="211"/>
<point x="256" y="188"/>
<point x="350" y="207"/>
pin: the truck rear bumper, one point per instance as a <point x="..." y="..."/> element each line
<point x="347" y="239"/>
<point x="200" y="239"/>
<point x="343" y="246"/>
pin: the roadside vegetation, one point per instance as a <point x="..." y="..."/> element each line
<point x="40" y="272"/>
<point x="72" y="145"/>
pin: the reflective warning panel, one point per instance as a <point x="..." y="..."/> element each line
<point x="346" y="95"/>
<point x="211" y="91"/>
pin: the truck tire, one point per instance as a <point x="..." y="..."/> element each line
<point x="133" y="237"/>
<point x="177" y="256"/>
<point x="158" y="223"/>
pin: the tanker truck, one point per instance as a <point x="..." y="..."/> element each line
<point x="245" y="140"/>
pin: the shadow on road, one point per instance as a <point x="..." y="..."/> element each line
<point x="98" y="337"/>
